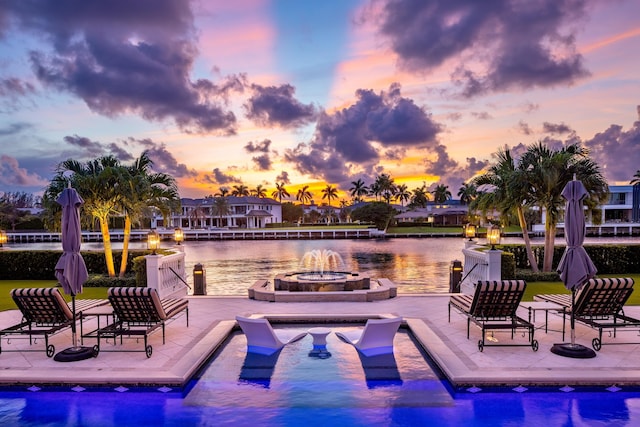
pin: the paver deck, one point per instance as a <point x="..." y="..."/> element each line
<point x="211" y="318"/>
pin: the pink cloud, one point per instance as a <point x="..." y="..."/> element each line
<point x="12" y="174"/>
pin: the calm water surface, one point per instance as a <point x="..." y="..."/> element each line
<point x="416" y="265"/>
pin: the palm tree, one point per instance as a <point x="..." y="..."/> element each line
<point x="506" y="191"/>
<point x="402" y="193"/>
<point x="280" y="192"/>
<point x="441" y="193"/>
<point x="140" y="189"/>
<point x="240" y="190"/>
<point x="547" y="172"/>
<point x="222" y="192"/>
<point x="467" y="193"/>
<point x="345" y="211"/>
<point x="304" y="196"/>
<point x="420" y="196"/>
<point x="375" y="190"/>
<point x="358" y="189"/>
<point x="197" y="214"/>
<point x="96" y="181"/>
<point x="329" y="192"/>
<point x="636" y="178"/>
<point x="386" y="187"/>
<point x="259" y="191"/>
<point x="221" y="208"/>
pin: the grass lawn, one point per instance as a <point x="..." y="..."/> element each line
<point x="6" y="303"/>
<point x="533" y="288"/>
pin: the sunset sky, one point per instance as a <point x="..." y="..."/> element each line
<point x="256" y="92"/>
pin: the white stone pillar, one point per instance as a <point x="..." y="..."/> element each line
<point x="153" y="271"/>
<point x="494" y="271"/>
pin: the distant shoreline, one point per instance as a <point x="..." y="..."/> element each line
<point x="303" y="233"/>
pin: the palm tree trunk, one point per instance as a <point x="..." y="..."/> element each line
<point x="549" y="242"/>
<point x="527" y="242"/>
<point x="125" y="245"/>
<point x="106" y="242"/>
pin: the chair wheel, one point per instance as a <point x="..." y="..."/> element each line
<point x="96" y="351"/>
<point x="50" y="350"/>
<point x="148" y="351"/>
<point x="534" y="345"/>
<point x="480" y="345"/>
<point x="597" y="344"/>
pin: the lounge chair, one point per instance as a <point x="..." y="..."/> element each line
<point x="44" y="313"/>
<point x="262" y="339"/>
<point x="598" y="304"/>
<point x="139" y="312"/>
<point x="493" y="307"/>
<point x="375" y="339"/>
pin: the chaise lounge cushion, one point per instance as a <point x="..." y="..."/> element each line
<point x="141" y="304"/>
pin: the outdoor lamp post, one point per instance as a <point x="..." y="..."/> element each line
<point x="470" y="231"/>
<point x="3" y="237"/>
<point x="178" y="235"/>
<point x="153" y="241"/>
<point x="493" y="236"/>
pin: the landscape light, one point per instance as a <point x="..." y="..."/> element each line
<point x="178" y="235"/>
<point x="470" y="231"/>
<point x="153" y="241"/>
<point x="493" y="236"/>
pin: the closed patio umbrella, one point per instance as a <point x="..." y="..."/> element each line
<point x="70" y="269"/>
<point x="575" y="267"/>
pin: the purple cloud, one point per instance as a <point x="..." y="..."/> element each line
<point x="616" y="151"/>
<point x="518" y="47"/>
<point x="276" y="106"/>
<point x="220" y="177"/>
<point x="283" y="177"/>
<point x="450" y="171"/>
<point x="353" y="137"/>
<point x="258" y="147"/>
<point x="121" y="57"/>
<point x="524" y="128"/>
<point x="481" y="115"/>
<point x="14" y="129"/>
<point x="557" y="129"/>
<point x="12" y="87"/>
<point x="11" y="174"/>
<point x="262" y="162"/>
<point x="164" y="161"/>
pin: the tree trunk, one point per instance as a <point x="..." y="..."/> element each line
<point x="106" y="242"/>
<point x="549" y="243"/>
<point x="125" y="245"/>
<point x="527" y="242"/>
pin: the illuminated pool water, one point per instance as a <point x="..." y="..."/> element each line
<point x="294" y="388"/>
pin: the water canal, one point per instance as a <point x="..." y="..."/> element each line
<point x="416" y="265"/>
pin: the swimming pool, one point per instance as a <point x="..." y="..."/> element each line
<point x="294" y="388"/>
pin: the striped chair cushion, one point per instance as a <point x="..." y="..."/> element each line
<point x="603" y="297"/>
<point x="142" y="304"/>
<point x="42" y="305"/>
<point x="497" y="298"/>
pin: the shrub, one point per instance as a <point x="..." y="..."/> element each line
<point x="40" y="265"/>
<point x="508" y="266"/>
<point x="101" y="281"/>
<point x="530" y="276"/>
<point x="608" y="259"/>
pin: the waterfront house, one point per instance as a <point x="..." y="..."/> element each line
<point x="244" y="212"/>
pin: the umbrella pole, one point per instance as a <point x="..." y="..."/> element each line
<point x="573" y="319"/>
<point x="74" y="337"/>
<point x="576" y="351"/>
<point x="75" y="352"/>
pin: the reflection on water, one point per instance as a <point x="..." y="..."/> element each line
<point x="415" y="265"/>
